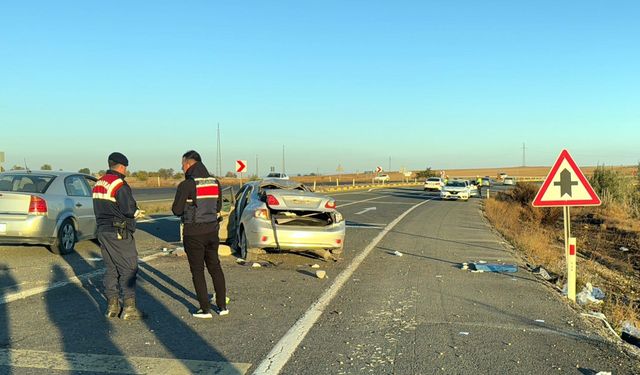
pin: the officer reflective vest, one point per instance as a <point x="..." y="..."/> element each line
<point x="203" y="208"/>
<point x="107" y="187"/>
<point x="479" y="181"/>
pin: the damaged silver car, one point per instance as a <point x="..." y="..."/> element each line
<point x="282" y="215"/>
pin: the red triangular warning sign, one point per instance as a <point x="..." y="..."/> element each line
<point x="566" y="185"/>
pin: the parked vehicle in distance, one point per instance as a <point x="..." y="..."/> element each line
<point x="46" y="208"/>
<point x="456" y="189"/>
<point x="473" y="189"/>
<point x="433" y="184"/>
<point x="382" y="178"/>
<point x="284" y="215"/>
<point x="502" y="176"/>
<point x="509" y="181"/>
<point x="278" y="175"/>
<point x="486" y="181"/>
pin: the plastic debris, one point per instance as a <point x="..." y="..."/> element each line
<point x="321" y="274"/>
<point x="624" y="249"/>
<point x="492" y="267"/>
<point x="464" y="333"/>
<point x="603" y="373"/>
<point x="439" y="276"/>
<point x="256" y="265"/>
<point x="589" y="294"/>
<point x="602" y="317"/>
<point x="315" y="266"/>
<point x="544" y="274"/>
<point x="179" y="252"/>
<point x="397" y="253"/>
<point x="94" y="259"/>
<point x="539" y="321"/>
<point x="630" y="333"/>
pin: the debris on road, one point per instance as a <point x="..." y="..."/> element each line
<point x="315" y="266"/>
<point x="589" y="294"/>
<point x="464" y="333"/>
<point x="483" y="266"/>
<point x="543" y="273"/>
<point x="603" y="373"/>
<point x="94" y="259"/>
<point x="624" y="249"/>
<point x="539" y="321"/>
<point x="256" y="265"/>
<point x="602" y="317"/>
<point x="178" y="252"/>
<point x="397" y="253"/>
<point x="630" y="333"/>
<point x="321" y="274"/>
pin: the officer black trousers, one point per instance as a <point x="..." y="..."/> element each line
<point x="202" y="249"/>
<point x="121" y="262"/>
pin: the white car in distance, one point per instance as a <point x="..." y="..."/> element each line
<point x="456" y="190"/>
<point x="433" y="184"/>
<point x="381" y="178"/>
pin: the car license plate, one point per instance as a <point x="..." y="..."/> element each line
<point x="3" y="228"/>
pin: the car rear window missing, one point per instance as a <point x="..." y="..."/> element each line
<point x="25" y="183"/>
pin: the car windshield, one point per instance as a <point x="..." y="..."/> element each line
<point x="456" y="183"/>
<point x="274" y="175"/>
<point x="25" y="183"/>
<point x="433" y="180"/>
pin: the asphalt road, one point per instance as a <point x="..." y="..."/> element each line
<point x="377" y="312"/>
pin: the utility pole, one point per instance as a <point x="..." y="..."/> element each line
<point x="389" y="170"/>
<point x="524" y="164"/>
<point x="219" y="156"/>
<point x="257" y="168"/>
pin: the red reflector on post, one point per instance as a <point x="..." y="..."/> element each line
<point x="37" y="206"/>
<point x="572" y="250"/>
<point x="272" y="201"/>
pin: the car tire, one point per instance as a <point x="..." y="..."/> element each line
<point x="65" y="240"/>
<point x="243" y="247"/>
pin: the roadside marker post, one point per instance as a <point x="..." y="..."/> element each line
<point x="241" y="166"/>
<point x="571" y="270"/>
<point x="567" y="186"/>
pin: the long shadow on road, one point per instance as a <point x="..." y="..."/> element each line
<point x="5" y="329"/>
<point x="78" y="315"/>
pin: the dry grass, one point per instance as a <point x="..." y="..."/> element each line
<point x="156" y="207"/>
<point x="539" y="235"/>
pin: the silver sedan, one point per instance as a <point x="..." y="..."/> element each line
<point x="284" y="215"/>
<point x="46" y="208"/>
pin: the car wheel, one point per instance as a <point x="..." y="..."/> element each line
<point x="243" y="247"/>
<point x="66" y="239"/>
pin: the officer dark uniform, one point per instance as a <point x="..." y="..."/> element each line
<point x="116" y="210"/>
<point x="198" y="202"/>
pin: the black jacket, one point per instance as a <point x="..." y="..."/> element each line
<point x="186" y="199"/>
<point x="108" y="211"/>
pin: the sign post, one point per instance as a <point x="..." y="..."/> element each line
<point x="241" y="166"/>
<point x="567" y="186"/>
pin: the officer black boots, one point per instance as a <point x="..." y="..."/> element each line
<point x="130" y="311"/>
<point x="113" y="307"/>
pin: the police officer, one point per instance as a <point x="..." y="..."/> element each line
<point x="116" y="211"/>
<point x="479" y="185"/>
<point x="198" y="202"/>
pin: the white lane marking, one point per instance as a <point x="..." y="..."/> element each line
<point x="284" y="349"/>
<point x="365" y="200"/>
<point x="114" y="364"/>
<point x="170" y="218"/>
<point x="72" y="280"/>
<point x="366" y="210"/>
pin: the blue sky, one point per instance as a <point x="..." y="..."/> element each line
<point x="428" y="83"/>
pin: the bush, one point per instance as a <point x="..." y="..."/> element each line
<point x="425" y="174"/>
<point x="612" y="186"/>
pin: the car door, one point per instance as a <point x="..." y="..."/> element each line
<point x="92" y="225"/>
<point x="81" y="204"/>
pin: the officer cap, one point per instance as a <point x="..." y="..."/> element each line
<point x="119" y="158"/>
